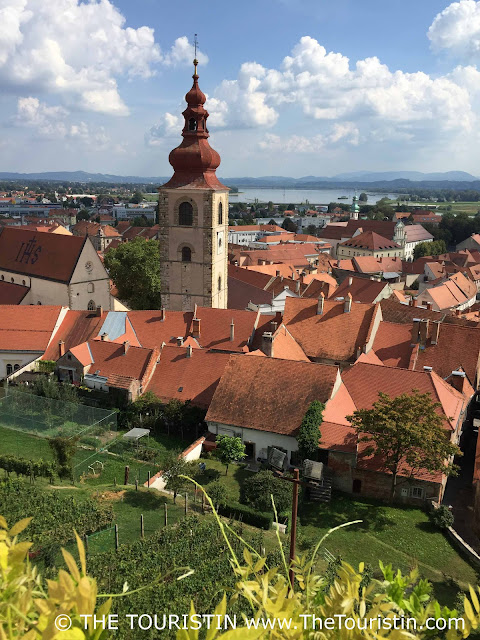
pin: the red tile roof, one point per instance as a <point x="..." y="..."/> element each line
<point x="369" y="264"/>
<point x="41" y="255"/>
<point x="240" y="403"/>
<point x="371" y="241"/>
<point x="12" y="293"/>
<point x="27" y="328"/>
<point x="184" y="378"/>
<point x="393" y="344"/>
<point x="361" y="289"/>
<point x="85" y="228"/>
<point x="334" y="335"/>
<point x="76" y="327"/>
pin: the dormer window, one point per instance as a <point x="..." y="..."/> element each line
<point x="192" y="124"/>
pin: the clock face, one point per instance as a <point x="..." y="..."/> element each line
<point x="88" y="266"/>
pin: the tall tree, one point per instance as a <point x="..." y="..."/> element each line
<point x="407" y="433"/>
<point x="289" y="225"/>
<point x="174" y="467"/>
<point x="230" y="449"/>
<point x="309" y="434"/>
<point x="135" y="269"/>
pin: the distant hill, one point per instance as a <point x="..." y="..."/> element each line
<point x="391" y="180"/>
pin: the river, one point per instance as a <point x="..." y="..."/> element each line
<point x="297" y="196"/>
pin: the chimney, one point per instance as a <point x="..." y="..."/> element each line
<point x="429" y="305"/>
<point x="321" y="302"/>
<point x="297" y="286"/>
<point x="458" y="312"/>
<point x="350" y="281"/>
<point x="347" y="305"/>
<point x="413" y="302"/>
<point x="232" y="331"/>
<point x="424" y="331"/>
<point x="274" y="326"/>
<point x="99" y="312"/>
<point x="277" y="273"/>
<point x="457" y="380"/>
<point x="416" y="330"/>
<point x="104" y="337"/>
<point x="126" y="346"/>
<point x="436" y="331"/>
<point x="189" y="351"/>
<point x="427" y="369"/>
<point x="61" y="348"/>
<point x="163" y="314"/>
<point x="267" y="344"/>
<point x="196" y="327"/>
<point x="180" y="341"/>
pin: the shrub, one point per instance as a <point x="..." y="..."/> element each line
<point x="257" y="489"/>
<point x="218" y="493"/>
<point x="309" y="434"/>
<point x="246" y="514"/>
<point x="442" y="517"/>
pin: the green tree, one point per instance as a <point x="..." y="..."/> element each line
<point x="63" y="450"/>
<point x="289" y="225"/>
<point x="230" y="449"/>
<point x="270" y="205"/>
<point x="363" y="197"/>
<point x="174" y="467"/>
<point x="83" y="214"/>
<point x="218" y="493"/>
<point x="257" y="489"/>
<point x="137" y="197"/>
<point x="309" y="435"/>
<point x="272" y="221"/>
<point x="434" y="248"/>
<point x="408" y="434"/>
<point x="135" y="269"/>
<point x="312" y="230"/>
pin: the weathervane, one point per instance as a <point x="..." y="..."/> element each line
<point x="195" y="44"/>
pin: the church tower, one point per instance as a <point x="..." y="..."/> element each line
<point x="193" y="217"/>
<point x="354" y="208"/>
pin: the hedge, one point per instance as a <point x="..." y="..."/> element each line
<point x="247" y="515"/>
<point x="24" y="467"/>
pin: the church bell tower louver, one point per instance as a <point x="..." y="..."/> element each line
<point x="193" y="217"/>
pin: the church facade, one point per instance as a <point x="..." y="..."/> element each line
<point x="193" y="218"/>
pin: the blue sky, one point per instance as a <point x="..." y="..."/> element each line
<point x="295" y="87"/>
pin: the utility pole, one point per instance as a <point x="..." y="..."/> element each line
<point x="293" y="525"/>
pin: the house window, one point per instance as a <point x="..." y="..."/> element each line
<point x="185" y="214"/>
<point x="23" y="282"/>
<point x="186" y="254"/>
<point x="417" y="492"/>
<point x="91" y="306"/>
<point x="220" y="213"/>
<point x="9" y="369"/>
<point x="16" y="367"/>
<point x="90" y="287"/>
<point x="12" y="280"/>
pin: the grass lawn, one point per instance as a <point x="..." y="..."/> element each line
<point x="232" y="481"/>
<point x="24" y="445"/>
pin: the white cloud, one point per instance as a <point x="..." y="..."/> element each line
<point x="182" y="53"/>
<point x="457" y="29"/>
<point x="52" y="123"/>
<point x="73" y="48"/>
<point x="341" y="133"/>
<point x="170" y="126"/>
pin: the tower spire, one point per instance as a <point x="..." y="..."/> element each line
<point x="195" y="61"/>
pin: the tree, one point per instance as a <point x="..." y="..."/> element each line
<point x="230" y="449"/>
<point x="363" y="197"/>
<point x="137" y="197"/>
<point x="270" y="205"/>
<point x="63" y="450"/>
<point x="257" y="489"/>
<point x="309" y="434"/>
<point x="272" y="221"/>
<point x="135" y="269"/>
<point x="218" y="493"/>
<point x="408" y="434"/>
<point x="312" y="230"/>
<point x="174" y="467"/>
<point x="289" y="225"/>
<point x="434" y="248"/>
<point x="83" y="214"/>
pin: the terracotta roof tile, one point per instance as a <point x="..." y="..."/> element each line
<point x="240" y="403"/>
<point x="12" y="293"/>
<point x="41" y="255"/>
<point x="77" y="327"/>
<point x="371" y="241"/>
<point x="110" y="359"/>
<point x="393" y="344"/>
<point x="27" y="328"/>
<point x="361" y="289"/>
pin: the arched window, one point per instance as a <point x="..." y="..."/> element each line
<point x="12" y="280"/>
<point x="90" y="287"/>
<point x="192" y="124"/>
<point x="16" y="367"/>
<point x="220" y="213"/>
<point x="23" y="282"/>
<point x="219" y="283"/>
<point x="185" y="214"/>
<point x="186" y="254"/>
<point x="9" y="369"/>
<point x="92" y="306"/>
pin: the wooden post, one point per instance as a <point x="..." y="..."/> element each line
<point x="203" y="502"/>
<point x="142" y="528"/>
<point x="195" y="496"/>
<point x="116" y="537"/>
<point x="148" y="480"/>
<point x="115" y="481"/>
<point x="166" y="517"/>
<point x="186" y="503"/>
<point x="293" y="527"/>
<point x="127" y="473"/>
<point x="136" y="484"/>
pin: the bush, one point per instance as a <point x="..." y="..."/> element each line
<point x="217" y="492"/>
<point x="257" y="489"/>
<point x="246" y="514"/>
<point x="442" y="517"/>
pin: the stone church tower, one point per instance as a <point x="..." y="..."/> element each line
<point x="193" y="218"/>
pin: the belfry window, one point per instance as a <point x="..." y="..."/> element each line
<point x="186" y="254"/>
<point x="91" y="306"/>
<point x="185" y="214"/>
<point x="220" y="213"/>
<point x="192" y="124"/>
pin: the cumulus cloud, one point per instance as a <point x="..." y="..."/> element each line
<point x="457" y="29"/>
<point x="183" y="52"/>
<point x="74" y="49"/>
<point x="341" y="133"/>
<point x="168" y="127"/>
<point x="51" y="122"/>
